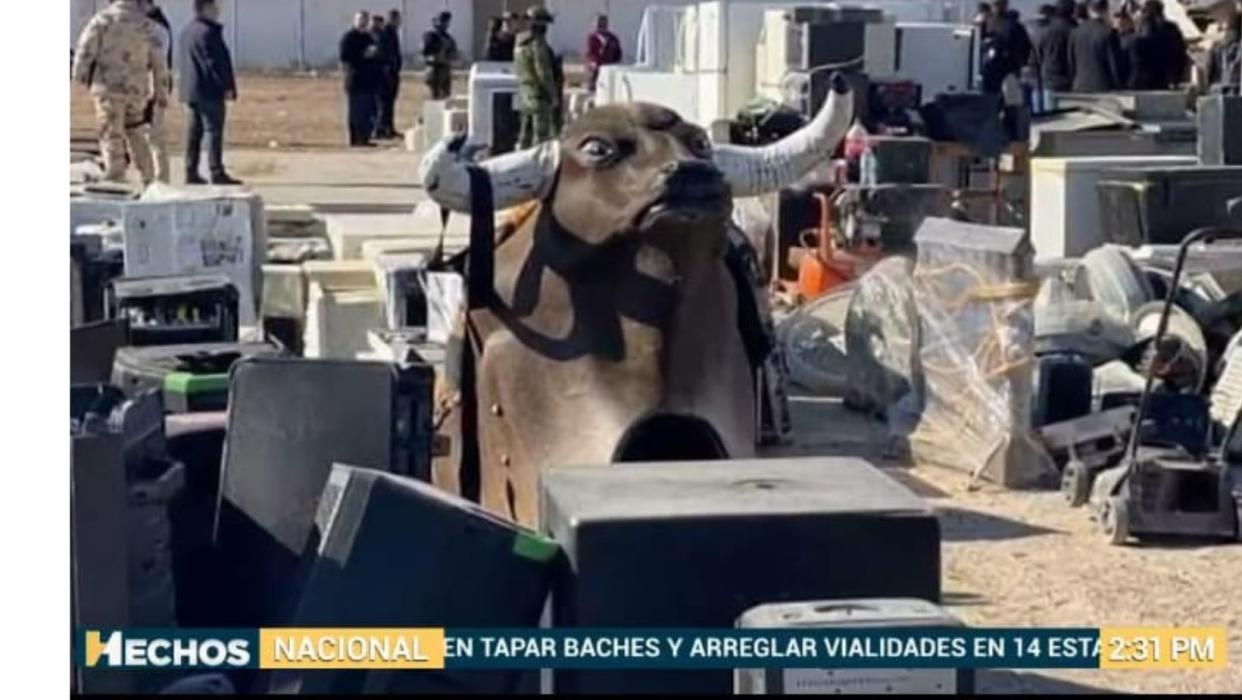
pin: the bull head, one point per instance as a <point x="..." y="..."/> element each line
<point x="616" y="317"/>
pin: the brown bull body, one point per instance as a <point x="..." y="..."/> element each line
<point x="613" y="334"/>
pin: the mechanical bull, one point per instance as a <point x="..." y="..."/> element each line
<point x="611" y="330"/>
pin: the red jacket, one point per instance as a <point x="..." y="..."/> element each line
<point x="603" y="48"/>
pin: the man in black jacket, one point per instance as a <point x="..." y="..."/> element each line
<point x="207" y="81"/>
<point x="1160" y="60"/>
<point x="390" y="47"/>
<point x="1050" y="56"/>
<point x="360" y="62"/>
<point x="1095" y="52"/>
<point x="1007" y="46"/>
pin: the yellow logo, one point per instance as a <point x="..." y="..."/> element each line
<point x="95" y="647"/>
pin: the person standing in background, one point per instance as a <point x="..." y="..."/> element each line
<point x="156" y="136"/>
<point x="1126" y="36"/>
<point x="383" y="62"/>
<point x="390" y="45"/>
<point x="603" y="48"/>
<point x="1160" y="58"/>
<point x="359" y="56"/>
<point x="1050" y="55"/>
<point x="207" y="83"/>
<point x="1007" y="46"/>
<point x="500" y="39"/>
<point x="534" y="67"/>
<point x="118" y="60"/>
<point x="1224" y="61"/>
<point x="1095" y="52"/>
<point x="440" y="52"/>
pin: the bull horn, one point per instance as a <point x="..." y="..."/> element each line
<point x="753" y="170"/>
<point x="516" y="177"/>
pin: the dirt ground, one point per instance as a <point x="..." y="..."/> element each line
<point x="1019" y="559"/>
<point x="302" y="111"/>
<point x="1009" y="559"/>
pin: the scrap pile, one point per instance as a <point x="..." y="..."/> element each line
<point x="1029" y="359"/>
<point x="252" y="442"/>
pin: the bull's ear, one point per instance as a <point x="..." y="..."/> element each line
<point x="752" y="171"/>
<point x="516" y="177"/>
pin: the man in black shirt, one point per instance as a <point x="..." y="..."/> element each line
<point x="1160" y="60"/>
<point x="360" y="63"/>
<point x="1095" y="52"/>
<point x="1007" y="46"/>
<point x="1050" y="56"/>
<point x="389" y="38"/>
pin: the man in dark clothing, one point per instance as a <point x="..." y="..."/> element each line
<point x="1095" y="52"/>
<point x="440" y="51"/>
<point x="501" y="39"/>
<point x="207" y="82"/>
<point x="389" y="39"/>
<point x="1050" y="57"/>
<point x="1224" y="63"/>
<point x="1160" y="60"/>
<point x="360" y="62"/>
<point x="1006" y="45"/>
<point x="1123" y="22"/>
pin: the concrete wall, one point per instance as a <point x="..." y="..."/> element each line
<point x="281" y="34"/>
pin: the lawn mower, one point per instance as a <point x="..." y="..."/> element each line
<point x="1162" y="490"/>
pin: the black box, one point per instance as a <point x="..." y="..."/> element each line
<point x="196" y="440"/>
<point x="92" y="350"/>
<point x="1220" y="130"/>
<point x="695" y="544"/>
<point x="99" y="551"/>
<point x="1163" y="204"/>
<point x="901" y="160"/>
<point x="394" y="552"/>
<point x="289" y="421"/>
<point x="176" y="310"/>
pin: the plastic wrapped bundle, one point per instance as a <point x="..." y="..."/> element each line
<point x="880" y="332"/>
<point x="971" y="409"/>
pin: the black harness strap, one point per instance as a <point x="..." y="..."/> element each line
<point x="480" y="290"/>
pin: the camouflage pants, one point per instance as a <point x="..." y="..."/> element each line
<point x="120" y="119"/>
<point x="537" y="126"/>
<point x="159" y="144"/>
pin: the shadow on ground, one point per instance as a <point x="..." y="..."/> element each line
<point x="958" y="525"/>
<point x="990" y="682"/>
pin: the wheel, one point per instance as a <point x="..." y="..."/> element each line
<point x="1075" y="483"/>
<point x="1115" y="519"/>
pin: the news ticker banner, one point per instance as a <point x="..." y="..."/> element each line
<point x="852" y="648"/>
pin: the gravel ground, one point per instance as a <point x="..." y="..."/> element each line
<point x="1014" y="559"/>
<point x="300" y="111"/>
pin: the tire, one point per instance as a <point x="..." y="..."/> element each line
<point x="137" y="369"/>
<point x="1108" y="276"/>
<point x="1075" y="484"/>
<point x="1115" y="520"/>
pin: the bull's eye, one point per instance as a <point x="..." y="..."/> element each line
<point x="597" y="150"/>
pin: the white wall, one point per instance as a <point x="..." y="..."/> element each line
<point x="271" y="34"/>
<point x="574" y="19"/>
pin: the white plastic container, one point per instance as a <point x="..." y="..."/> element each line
<point x="1065" y="210"/>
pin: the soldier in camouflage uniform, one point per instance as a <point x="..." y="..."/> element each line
<point x="120" y="60"/>
<point x="538" y="91"/>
